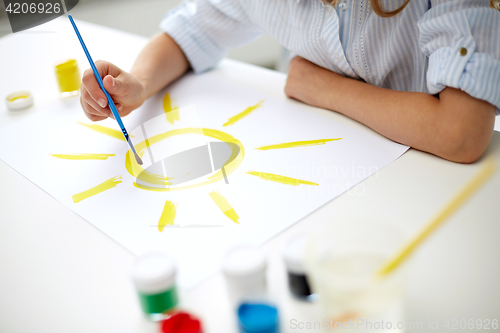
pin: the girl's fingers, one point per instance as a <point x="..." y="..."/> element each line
<point x="115" y="82"/>
<point x="93" y="89"/>
<point x="125" y="111"/>
<point x="97" y="109"/>
<point x="95" y="118"/>
<point x="104" y="68"/>
<point x="88" y="112"/>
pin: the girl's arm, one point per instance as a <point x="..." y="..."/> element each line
<point x="454" y="126"/>
<point x="159" y="63"/>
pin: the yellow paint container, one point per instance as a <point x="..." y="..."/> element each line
<point x="68" y="77"/>
<point x="19" y="100"/>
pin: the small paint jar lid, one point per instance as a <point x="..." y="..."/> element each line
<point x="244" y="260"/>
<point x="154" y="272"/>
<point x="19" y="100"/>
<point x="258" y="318"/>
<point x="181" y="322"/>
<point x="293" y="252"/>
<point x="154" y="277"/>
<point x="244" y="268"/>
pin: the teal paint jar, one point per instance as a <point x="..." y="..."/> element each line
<point x="154" y="278"/>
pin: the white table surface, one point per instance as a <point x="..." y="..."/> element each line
<point x="60" y="274"/>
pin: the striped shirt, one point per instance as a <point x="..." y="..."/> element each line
<point x="430" y="45"/>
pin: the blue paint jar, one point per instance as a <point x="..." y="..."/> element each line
<point x="258" y="317"/>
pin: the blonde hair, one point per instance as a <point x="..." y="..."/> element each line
<point x="380" y="11"/>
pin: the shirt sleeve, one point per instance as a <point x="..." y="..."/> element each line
<point x="461" y="39"/>
<point x="206" y="29"/>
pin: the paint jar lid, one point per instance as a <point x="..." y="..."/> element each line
<point x="258" y="318"/>
<point x="181" y="322"/>
<point x="243" y="260"/>
<point x="293" y="253"/>
<point x="19" y="100"/>
<point x="154" y="272"/>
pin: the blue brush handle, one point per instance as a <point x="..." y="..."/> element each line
<point x="99" y="80"/>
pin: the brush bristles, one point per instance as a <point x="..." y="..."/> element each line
<point x="138" y="159"/>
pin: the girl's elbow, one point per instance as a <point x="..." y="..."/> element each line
<point x="467" y="144"/>
<point x="467" y="155"/>
<point x="468" y="126"/>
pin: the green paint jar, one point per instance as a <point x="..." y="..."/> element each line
<point x="154" y="278"/>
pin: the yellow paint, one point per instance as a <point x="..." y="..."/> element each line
<point x="110" y="183"/>
<point x="281" y="179"/>
<point x="68" y="76"/>
<point x="83" y="156"/>
<point x="243" y="114"/>
<point x="297" y="144"/>
<point x="168" y="215"/>
<point x="224" y="206"/>
<point x="172" y="112"/>
<point x="138" y="172"/>
<point x="145" y="175"/>
<point x="106" y="130"/>
<point x="18" y="97"/>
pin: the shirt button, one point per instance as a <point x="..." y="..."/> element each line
<point x="342" y="5"/>
<point x="337" y="57"/>
<point x="463" y="51"/>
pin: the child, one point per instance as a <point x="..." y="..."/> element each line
<point x="425" y="73"/>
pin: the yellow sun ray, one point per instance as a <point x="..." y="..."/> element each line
<point x="280" y="179"/>
<point x="243" y="114"/>
<point x="108" y="184"/>
<point x="297" y="144"/>
<point x="168" y="215"/>
<point x="106" y="130"/>
<point x="224" y="206"/>
<point x="82" y="156"/>
<point x="171" y="112"/>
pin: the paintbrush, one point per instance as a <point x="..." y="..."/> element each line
<point x="110" y="101"/>
<point x="487" y="170"/>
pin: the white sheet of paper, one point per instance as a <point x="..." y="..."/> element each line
<point x="201" y="232"/>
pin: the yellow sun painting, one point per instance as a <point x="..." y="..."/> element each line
<point x="161" y="183"/>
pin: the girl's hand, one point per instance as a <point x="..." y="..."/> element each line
<point x="126" y="90"/>
<point x="309" y="83"/>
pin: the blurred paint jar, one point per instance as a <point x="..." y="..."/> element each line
<point x="181" y="322"/>
<point x="293" y="253"/>
<point x="342" y="260"/>
<point x="244" y="268"/>
<point x="154" y="278"/>
<point x="258" y="317"/>
<point x="19" y="100"/>
<point x="68" y="77"/>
